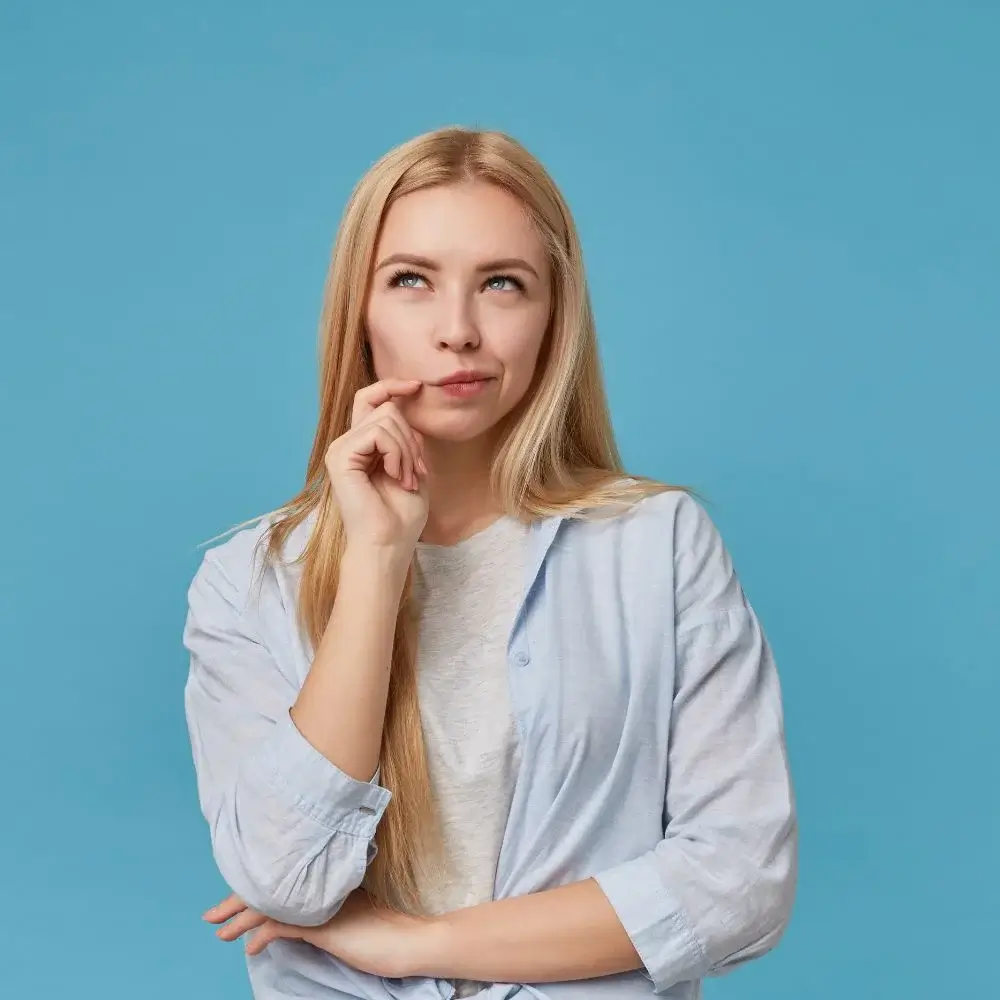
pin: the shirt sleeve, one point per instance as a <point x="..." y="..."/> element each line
<point x="717" y="890"/>
<point x="291" y="833"/>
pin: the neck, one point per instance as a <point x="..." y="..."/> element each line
<point x="461" y="501"/>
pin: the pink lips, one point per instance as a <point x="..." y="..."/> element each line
<point x="464" y="384"/>
<point x="464" y="375"/>
<point x="465" y="388"/>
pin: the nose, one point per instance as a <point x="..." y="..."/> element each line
<point x="457" y="330"/>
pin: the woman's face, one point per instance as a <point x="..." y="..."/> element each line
<point x="461" y="284"/>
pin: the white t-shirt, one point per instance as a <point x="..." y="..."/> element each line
<point x="469" y="593"/>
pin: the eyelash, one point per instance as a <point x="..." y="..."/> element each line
<point x="394" y="279"/>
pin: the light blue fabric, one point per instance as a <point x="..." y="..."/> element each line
<point x="653" y="755"/>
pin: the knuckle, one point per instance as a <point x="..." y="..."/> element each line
<point x="389" y="427"/>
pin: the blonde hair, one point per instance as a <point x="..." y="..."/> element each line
<point x="558" y="457"/>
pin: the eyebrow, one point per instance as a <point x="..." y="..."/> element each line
<point x="503" y="263"/>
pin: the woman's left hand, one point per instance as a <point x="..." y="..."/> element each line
<point x="367" y="937"/>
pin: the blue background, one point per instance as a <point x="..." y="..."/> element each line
<point x="791" y="224"/>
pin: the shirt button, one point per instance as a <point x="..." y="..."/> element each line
<point x="521" y="659"/>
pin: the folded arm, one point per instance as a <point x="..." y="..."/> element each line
<point x="562" y="934"/>
<point x="292" y="833"/>
<point x="718" y="889"/>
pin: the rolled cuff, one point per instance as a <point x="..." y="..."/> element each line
<point x="320" y="788"/>
<point x="654" y="921"/>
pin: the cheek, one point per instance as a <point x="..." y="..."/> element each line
<point x="519" y="356"/>
<point x="390" y="348"/>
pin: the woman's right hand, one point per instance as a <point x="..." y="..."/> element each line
<point x="378" y="473"/>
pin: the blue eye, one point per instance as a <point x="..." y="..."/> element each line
<point x="398" y="276"/>
<point x="516" y="282"/>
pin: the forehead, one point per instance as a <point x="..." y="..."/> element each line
<point x="460" y="220"/>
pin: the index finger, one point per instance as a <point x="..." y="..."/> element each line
<point x="374" y="395"/>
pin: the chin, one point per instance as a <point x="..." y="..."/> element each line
<point x="454" y="427"/>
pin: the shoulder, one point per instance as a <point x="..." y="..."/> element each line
<point x="674" y="515"/>
<point x="230" y="569"/>
<point x="705" y="581"/>
<point x="672" y="521"/>
<point x="667" y="539"/>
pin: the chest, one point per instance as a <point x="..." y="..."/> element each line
<point x="592" y="665"/>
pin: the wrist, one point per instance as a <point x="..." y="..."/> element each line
<point x="432" y="949"/>
<point x="383" y="563"/>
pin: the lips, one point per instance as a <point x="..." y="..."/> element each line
<point x="465" y="388"/>
<point x="458" y="378"/>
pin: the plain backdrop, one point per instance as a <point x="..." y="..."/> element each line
<point x="791" y="226"/>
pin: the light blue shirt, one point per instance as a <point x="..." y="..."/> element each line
<point x="653" y="756"/>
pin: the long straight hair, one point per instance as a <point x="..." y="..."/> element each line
<point x="558" y="457"/>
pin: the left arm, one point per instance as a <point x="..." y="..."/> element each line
<point x="717" y="890"/>
<point x="571" y="932"/>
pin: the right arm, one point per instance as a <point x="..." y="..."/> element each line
<point x="341" y="707"/>
<point x="286" y="793"/>
<point x="285" y="775"/>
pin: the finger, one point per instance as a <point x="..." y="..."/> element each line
<point x="270" y="931"/>
<point x="222" y="912"/>
<point x="391" y="422"/>
<point x="422" y="454"/>
<point x="392" y="409"/>
<point x="240" y="924"/>
<point x="402" y="464"/>
<point x="374" y="395"/>
<point x="390" y="413"/>
<point x="407" y="467"/>
<point x="381" y="439"/>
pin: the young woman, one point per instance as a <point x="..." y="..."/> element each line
<point x="476" y="711"/>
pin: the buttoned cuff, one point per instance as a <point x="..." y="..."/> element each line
<point x="319" y="787"/>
